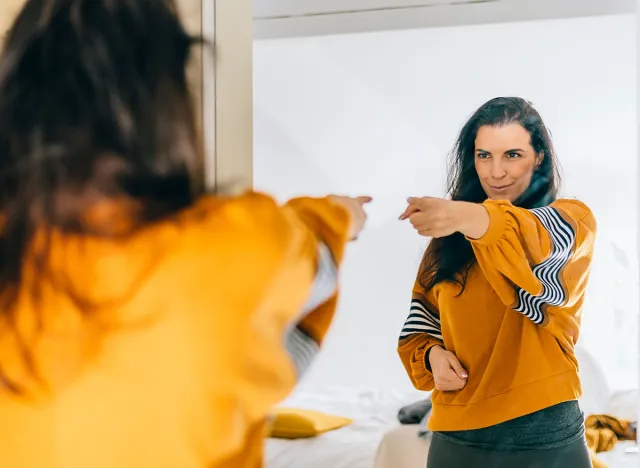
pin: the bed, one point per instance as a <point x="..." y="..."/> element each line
<point x="376" y="440"/>
<point x="374" y="413"/>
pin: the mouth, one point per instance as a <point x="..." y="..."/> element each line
<point x="500" y="188"/>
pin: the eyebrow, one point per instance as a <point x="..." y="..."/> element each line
<point x="514" y="150"/>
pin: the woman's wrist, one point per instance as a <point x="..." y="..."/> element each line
<point x="427" y="356"/>
<point x="472" y="219"/>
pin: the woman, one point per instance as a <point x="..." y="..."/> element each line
<point x="495" y="313"/>
<point x="144" y="323"/>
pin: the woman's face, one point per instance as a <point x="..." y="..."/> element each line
<point x="505" y="160"/>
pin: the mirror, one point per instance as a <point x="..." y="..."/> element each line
<point x="377" y="111"/>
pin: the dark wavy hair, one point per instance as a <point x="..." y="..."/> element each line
<point x="450" y="258"/>
<point x="94" y="106"/>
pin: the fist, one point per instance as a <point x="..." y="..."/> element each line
<point x="432" y="217"/>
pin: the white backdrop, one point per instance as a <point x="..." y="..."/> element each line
<point x="378" y="113"/>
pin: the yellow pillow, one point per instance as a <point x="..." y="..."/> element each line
<point x="294" y="423"/>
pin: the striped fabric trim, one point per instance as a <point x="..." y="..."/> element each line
<point x="421" y="320"/>
<point x="325" y="283"/>
<point x="548" y="272"/>
<point x="302" y="349"/>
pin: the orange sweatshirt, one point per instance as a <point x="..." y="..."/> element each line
<point x="200" y="325"/>
<point x="515" y="326"/>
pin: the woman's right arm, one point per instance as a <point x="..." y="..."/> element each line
<point x="421" y="347"/>
<point x="286" y="296"/>
<point x="420" y="333"/>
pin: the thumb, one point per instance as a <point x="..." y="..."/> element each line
<point x="457" y="367"/>
<point x="364" y="200"/>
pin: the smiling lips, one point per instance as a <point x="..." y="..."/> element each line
<point x="500" y="188"/>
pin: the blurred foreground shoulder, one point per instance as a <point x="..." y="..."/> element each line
<point x="249" y="221"/>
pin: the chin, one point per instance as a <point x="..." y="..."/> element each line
<point x="502" y="196"/>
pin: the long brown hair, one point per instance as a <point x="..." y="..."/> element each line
<point x="449" y="258"/>
<point x="94" y="106"/>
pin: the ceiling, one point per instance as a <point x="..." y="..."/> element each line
<point x="291" y="18"/>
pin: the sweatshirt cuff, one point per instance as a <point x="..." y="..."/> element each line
<point x="329" y="221"/>
<point x="497" y="224"/>
<point x="422" y="367"/>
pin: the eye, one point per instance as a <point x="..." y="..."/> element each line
<point x="483" y="155"/>
<point x="513" y="155"/>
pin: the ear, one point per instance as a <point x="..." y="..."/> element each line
<point x="539" y="159"/>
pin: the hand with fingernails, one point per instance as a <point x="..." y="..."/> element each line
<point x="448" y="373"/>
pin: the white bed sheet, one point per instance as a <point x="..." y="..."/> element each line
<point x="620" y="457"/>
<point x="374" y="413"/>
<point x="623" y="404"/>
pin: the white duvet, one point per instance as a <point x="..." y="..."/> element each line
<point x="374" y="412"/>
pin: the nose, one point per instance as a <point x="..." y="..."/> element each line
<point x="497" y="169"/>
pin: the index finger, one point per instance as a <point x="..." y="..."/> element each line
<point x="408" y="212"/>
<point x="363" y="200"/>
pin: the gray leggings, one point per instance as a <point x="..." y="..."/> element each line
<point x="446" y="454"/>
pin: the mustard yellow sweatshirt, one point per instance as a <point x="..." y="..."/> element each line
<point x="515" y="326"/>
<point x="191" y="330"/>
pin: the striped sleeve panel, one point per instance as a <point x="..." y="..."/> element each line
<point x="548" y="272"/>
<point x="423" y="318"/>
<point x="301" y="347"/>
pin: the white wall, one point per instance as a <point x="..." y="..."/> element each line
<point x="378" y="113"/>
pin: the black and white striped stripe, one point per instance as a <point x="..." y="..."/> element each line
<point x="421" y="320"/>
<point x="301" y="347"/>
<point x="548" y="272"/>
<point x="326" y="280"/>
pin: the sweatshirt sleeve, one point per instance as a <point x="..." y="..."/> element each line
<point x="421" y="332"/>
<point x="292" y="255"/>
<point x="538" y="260"/>
<point x="327" y="223"/>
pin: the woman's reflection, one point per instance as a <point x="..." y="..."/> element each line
<point x="496" y="304"/>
